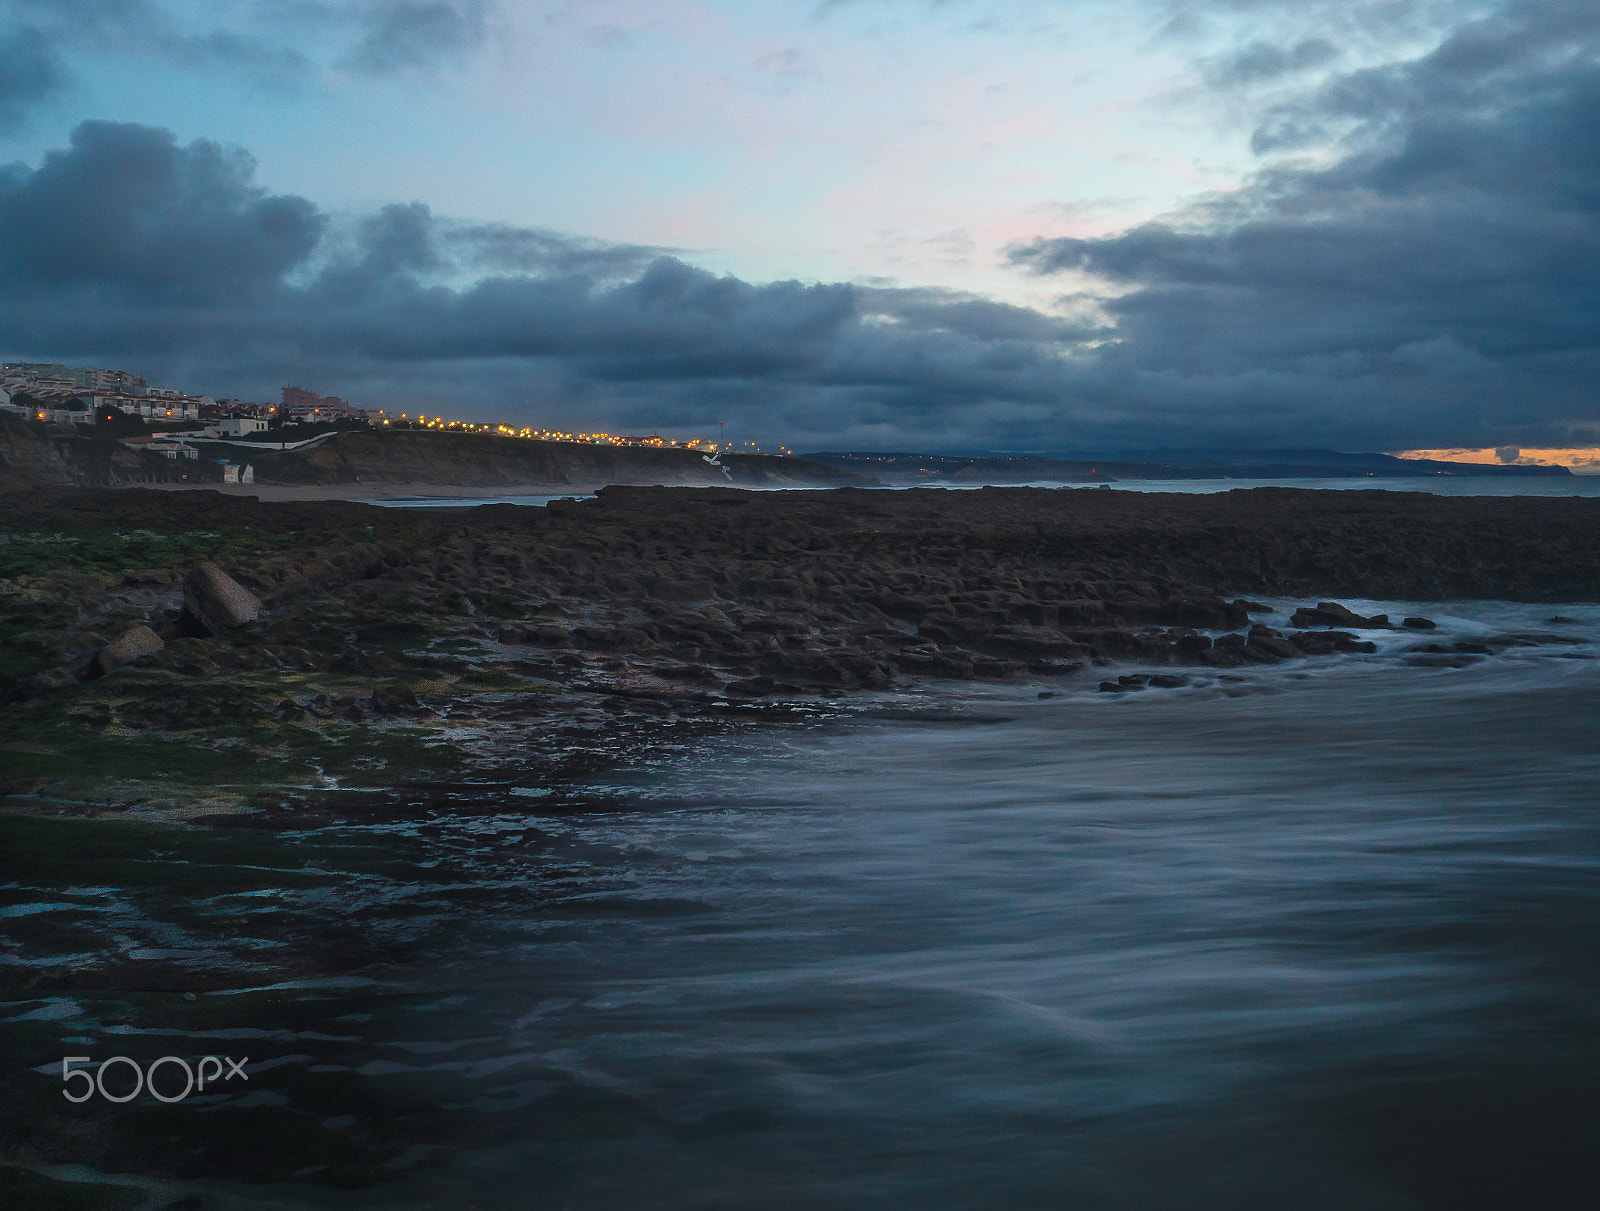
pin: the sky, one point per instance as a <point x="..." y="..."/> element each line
<point x="941" y="225"/>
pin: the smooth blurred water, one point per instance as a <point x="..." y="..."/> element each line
<point x="1438" y="485"/>
<point x="1325" y="937"/>
<point x="1321" y="935"/>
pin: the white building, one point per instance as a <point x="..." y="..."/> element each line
<point x="168" y="408"/>
<point x="242" y="426"/>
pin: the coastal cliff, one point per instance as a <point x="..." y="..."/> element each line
<point x="477" y="460"/>
<point x="31" y="453"/>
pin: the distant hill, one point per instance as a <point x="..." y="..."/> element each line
<point x="900" y="469"/>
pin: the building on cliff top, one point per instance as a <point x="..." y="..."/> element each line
<point x="301" y="405"/>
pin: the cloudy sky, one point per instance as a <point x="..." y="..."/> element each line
<point x="1011" y="225"/>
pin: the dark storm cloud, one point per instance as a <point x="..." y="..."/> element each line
<point x="1434" y="280"/>
<point x="1440" y="278"/>
<point x="31" y="70"/>
<point x="130" y="248"/>
<point x="127" y="214"/>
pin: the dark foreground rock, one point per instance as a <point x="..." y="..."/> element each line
<point x="214" y="602"/>
<point x="127" y="647"/>
<point x="337" y="644"/>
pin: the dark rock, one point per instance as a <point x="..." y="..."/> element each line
<point x="1265" y="641"/>
<point x="190" y="655"/>
<point x="757" y="687"/>
<point x="127" y="647"/>
<point x="1031" y="641"/>
<point x="1328" y="643"/>
<point x="1332" y="614"/>
<point x="395" y="700"/>
<point x="1168" y="681"/>
<point x="1419" y="624"/>
<point x="44" y="682"/>
<point x="668" y="588"/>
<point x="1112" y="687"/>
<point x="1052" y="667"/>
<point x="215" y="602"/>
<point x="696" y="674"/>
<point x="1475" y="649"/>
<point x="149" y="576"/>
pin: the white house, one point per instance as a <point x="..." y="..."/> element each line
<point x="242" y="426"/>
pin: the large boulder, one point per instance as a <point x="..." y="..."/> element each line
<point x="214" y="602"/>
<point x="127" y="647"/>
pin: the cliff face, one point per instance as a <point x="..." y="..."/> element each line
<point x="31" y="453"/>
<point x="483" y="461"/>
<point x="28" y="455"/>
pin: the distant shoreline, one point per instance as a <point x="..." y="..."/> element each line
<point x="357" y="492"/>
<point x="360" y="492"/>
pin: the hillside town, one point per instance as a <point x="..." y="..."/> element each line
<point x="81" y="398"/>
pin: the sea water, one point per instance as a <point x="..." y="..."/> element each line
<point x="1437" y="485"/>
<point x="1319" y="935"/>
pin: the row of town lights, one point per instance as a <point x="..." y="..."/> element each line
<point x="556" y="435"/>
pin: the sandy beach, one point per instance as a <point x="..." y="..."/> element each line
<point x="378" y="491"/>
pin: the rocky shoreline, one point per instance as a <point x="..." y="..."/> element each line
<point x="362" y="653"/>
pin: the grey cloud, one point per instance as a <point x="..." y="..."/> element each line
<point x="501" y="248"/>
<point x="411" y="33"/>
<point x="275" y="43"/>
<point x="118" y="28"/>
<point x="1440" y="281"/>
<point x="1435" y="283"/>
<point x="31" y="70"/>
<point x="197" y="270"/>
<point x="933" y="310"/>
<point x="1262" y="61"/>
<point x="128" y="213"/>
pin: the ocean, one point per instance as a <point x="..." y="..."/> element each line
<point x="1438" y="485"/>
<point x="1318" y="935"/>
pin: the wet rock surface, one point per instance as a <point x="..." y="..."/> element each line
<point x="313" y="647"/>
